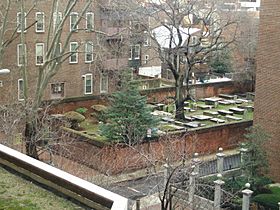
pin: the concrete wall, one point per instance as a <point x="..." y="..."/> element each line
<point x="267" y="101"/>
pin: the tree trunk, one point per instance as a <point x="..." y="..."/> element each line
<point x="30" y="139"/>
<point x="179" y="98"/>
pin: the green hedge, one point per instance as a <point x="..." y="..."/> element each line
<point x="269" y="201"/>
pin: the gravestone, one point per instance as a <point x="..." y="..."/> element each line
<point x="237" y="110"/>
<point x="211" y="113"/>
<point x="225" y="112"/>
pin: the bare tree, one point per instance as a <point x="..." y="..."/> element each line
<point x="246" y="44"/>
<point x="183" y="36"/>
<point x="55" y="55"/>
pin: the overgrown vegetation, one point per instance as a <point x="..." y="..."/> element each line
<point x="255" y="161"/>
<point x="75" y="118"/>
<point x="82" y="110"/>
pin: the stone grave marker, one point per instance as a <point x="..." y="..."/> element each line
<point x="237" y="110"/>
<point x="225" y="112"/>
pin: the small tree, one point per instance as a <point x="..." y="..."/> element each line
<point x="255" y="162"/>
<point x="128" y="118"/>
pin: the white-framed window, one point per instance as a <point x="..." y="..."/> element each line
<point x="134" y="52"/>
<point x="57" y="18"/>
<point x="89" y="21"/>
<point x="40" y="22"/>
<point x="58" y="49"/>
<point x="88" y="83"/>
<point x="21" y="54"/>
<point x="146" y="59"/>
<point x="74" y="52"/>
<point x="89" y="52"/>
<point x="20" y="90"/>
<point x="146" y="39"/>
<point x="40" y="53"/>
<point x="74" y="16"/>
<point x="21" y="21"/>
<point x="103" y="83"/>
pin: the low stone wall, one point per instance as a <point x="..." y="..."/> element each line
<point x="120" y="158"/>
<point x="85" y="192"/>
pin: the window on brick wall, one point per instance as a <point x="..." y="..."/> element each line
<point x="57" y="18"/>
<point x="88" y="52"/>
<point x="21" y="21"/>
<point x="88" y="84"/>
<point x="39" y="53"/>
<point x="20" y="90"/>
<point x="134" y="52"/>
<point x="21" y="54"/>
<point x="57" y="90"/>
<point x="89" y="21"/>
<point x="103" y="83"/>
<point x="73" y="21"/>
<point x="74" y="52"/>
<point x="58" y="49"/>
<point x="146" y="59"/>
<point x="146" y="39"/>
<point x="40" y="22"/>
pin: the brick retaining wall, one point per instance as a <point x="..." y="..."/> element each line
<point x="119" y="158"/>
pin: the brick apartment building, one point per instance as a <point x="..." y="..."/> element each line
<point x="91" y="71"/>
<point x="242" y="5"/>
<point x="267" y="101"/>
<point x="105" y="47"/>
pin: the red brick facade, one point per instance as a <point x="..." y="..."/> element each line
<point x="72" y="75"/>
<point x="267" y="101"/>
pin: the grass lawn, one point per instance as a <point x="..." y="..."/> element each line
<point x="17" y="193"/>
<point x="92" y="130"/>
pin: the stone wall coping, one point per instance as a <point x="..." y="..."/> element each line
<point x="118" y="202"/>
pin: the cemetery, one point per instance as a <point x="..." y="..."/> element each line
<point x="208" y="124"/>
<point x="204" y="113"/>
